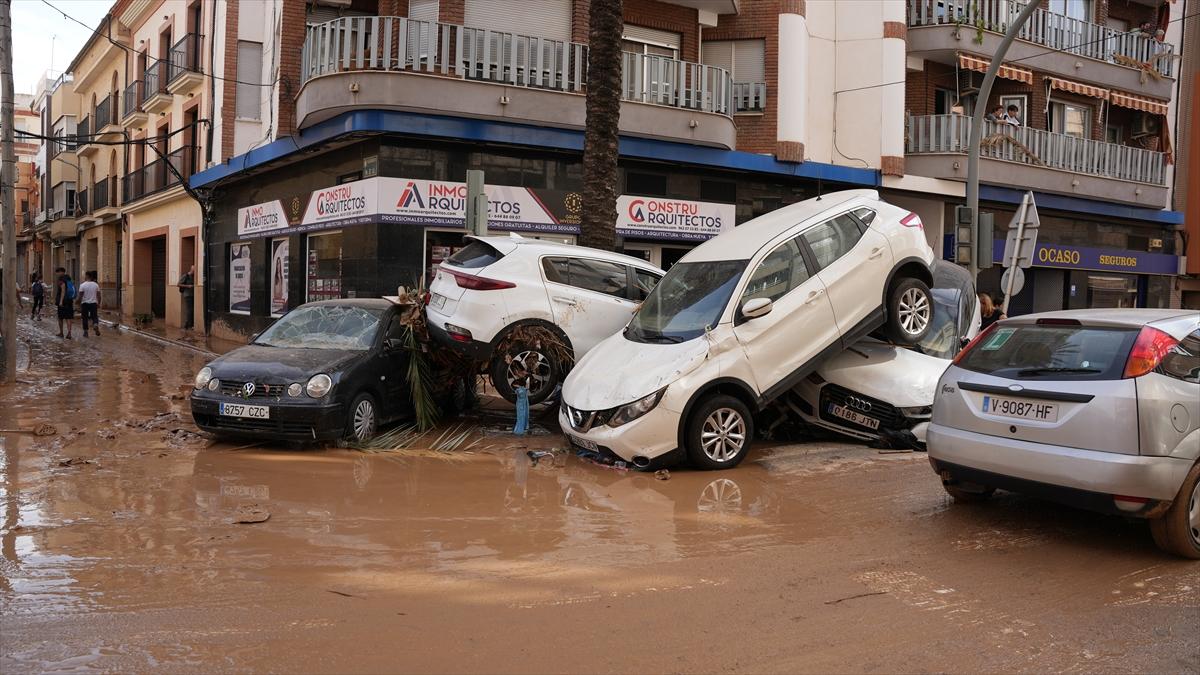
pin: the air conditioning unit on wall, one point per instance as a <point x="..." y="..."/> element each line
<point x="1145" y="124"/>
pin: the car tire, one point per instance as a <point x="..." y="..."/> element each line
<point x="909" y="311"/>
<point x="1178" y="530"/>
<point x="725" y="424"/>
<point x="547" y="372"/>
<point x="974" y="494"/>
<point x="362" y="418"/>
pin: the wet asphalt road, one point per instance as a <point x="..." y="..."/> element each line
<point x="119" y="554"/>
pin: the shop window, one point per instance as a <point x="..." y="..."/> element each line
<point x="1111" y="290"/>
<point x="444" y="245"/>
<point x="718" y="191"/>
<point x="646" y="184"/>
<point x="324" y="266"/>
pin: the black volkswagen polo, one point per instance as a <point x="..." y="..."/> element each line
<point x="323" y="371"/>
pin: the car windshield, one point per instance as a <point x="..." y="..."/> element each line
<point x="943" y="340"/>
<point x="324" y="327"/>
<point x="688" y="300"/>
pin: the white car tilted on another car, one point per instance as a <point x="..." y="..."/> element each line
<point x="1098" y="408"/>
<point x="741" y="319"/>
<point x="496" y="286"/>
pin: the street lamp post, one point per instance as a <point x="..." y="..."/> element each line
<point x="985" y="92"/>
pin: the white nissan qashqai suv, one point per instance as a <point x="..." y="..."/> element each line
<point x="743" y="318"/>
<point x="497" y="298"/>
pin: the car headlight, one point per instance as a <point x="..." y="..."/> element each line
<point x="318" y="385"/>
<point x="214" y="384"/>
<point x="203" y="377"/>
<point x="631" y="411"/>
<point x="295" y="389"/>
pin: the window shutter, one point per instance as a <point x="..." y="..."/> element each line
<point x="653" y="36"/>
<point x="719" y="54"/>
<point x="423" y="10"/>
<point x="748" y="61"/>
<point x="535" y="18"/>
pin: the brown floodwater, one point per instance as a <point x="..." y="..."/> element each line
<point x="122" y="550"/>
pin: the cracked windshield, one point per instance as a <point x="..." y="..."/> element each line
<point x="323" y="327"/>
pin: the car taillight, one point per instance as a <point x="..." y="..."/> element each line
<point x="1148" y="351"/>
<point x="971" y="345"/>
<point x="474" y="283"/>
<point x="912" y="220"/>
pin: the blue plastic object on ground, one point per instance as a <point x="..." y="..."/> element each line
<point x="522" y="411"/>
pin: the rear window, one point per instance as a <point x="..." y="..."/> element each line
<point x="475" y="255"/>
<point x="1052" y="352"/>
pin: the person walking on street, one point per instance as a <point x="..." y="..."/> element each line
<point x="187" y="286"/>
<point x="89" y="302"/>
<point x="988" y="311"/>
<point x="38" y="290"/>
<point x="64" y="300"/>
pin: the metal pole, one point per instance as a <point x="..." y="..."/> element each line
<point x="1011" y="263"/>
<point x="985" y="92"/>
<point x="8" y="211"/>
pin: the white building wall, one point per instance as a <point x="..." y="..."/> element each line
<point x="260" y="22"/>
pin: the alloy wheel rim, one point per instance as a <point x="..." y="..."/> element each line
<point x="723" y="434"/>
<point x="540" y="372"/>
<point x="914" y="311"/>
<point x="721" y="495"/>
<point x="1194" y="514"/>
<point x="364" y="420"/>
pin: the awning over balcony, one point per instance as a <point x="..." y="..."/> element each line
<point x="1007" y="71"/>
<point x="1078" y="88"/>
<point x="1138" y="102"/>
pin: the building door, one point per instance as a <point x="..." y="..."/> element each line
<point x="120" y="274"/>
<point x="158" y="277"/>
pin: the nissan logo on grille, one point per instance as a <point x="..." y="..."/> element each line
<point x="858" y="404"/>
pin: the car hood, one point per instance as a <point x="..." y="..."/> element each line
<point x="260" y="363"/>
<point x="619" y="371"/>
<point x="899" y="376"/>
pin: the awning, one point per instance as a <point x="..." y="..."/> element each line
<point x="1008" y="72"/>
<point x="1136" y="102"/>
<point x="1078" y="88"/>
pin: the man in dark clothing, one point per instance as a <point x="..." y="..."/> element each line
<point x="38" y="289"/>
<point x="64" y="300"/>
<point x="187" y="286"/>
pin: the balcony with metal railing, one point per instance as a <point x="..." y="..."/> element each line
<point x="183" y="66"/>
<point x="749" y="97"/>
<point x="401" y="64"/>
<point x="1048" y="42"/>
<point x="104" y="196"/>
<point x="155" y="97"/>
<point x="936" y="145"/>
<point x="132" y="115"/>
<point x="157" y="176"/>
<point x="83" y="137"/>
<point x="82" y="205"/>
<point x="103" y="115"/>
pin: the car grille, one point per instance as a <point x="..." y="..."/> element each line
<point x="889" y="416"/>
<point x="261" y="390"/>
<point x="245" y="424"/>
<point x="584" y="420"/>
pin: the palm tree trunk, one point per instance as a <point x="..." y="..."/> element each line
<point x="598" y="224"/>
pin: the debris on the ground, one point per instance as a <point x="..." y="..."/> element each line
<point x="536" y="455"/>
<point x="341" y="593"/>
<point x="106" y="434"/>
<point x="74" y="461"/>
<point x="456" y="439"/>
<point x="897" y="440"/>
<point x="662" y="474"/>
<point x="607" y="460"/>
<point x="39" y="430"/>
<point x="252" y="513"/>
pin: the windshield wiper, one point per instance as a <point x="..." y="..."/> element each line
<point x="673" y="339"/>
<point x="1043" y="371"/>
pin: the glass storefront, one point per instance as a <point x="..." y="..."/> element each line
<point x="1111" y="290"/>
<point x="324" y="266"/>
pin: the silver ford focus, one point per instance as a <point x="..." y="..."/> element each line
<point x="1096" y="408"/>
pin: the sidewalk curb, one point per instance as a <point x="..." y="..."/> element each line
<point x="158" y="338"/>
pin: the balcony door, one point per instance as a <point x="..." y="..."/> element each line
<point x="648" y="74"/>
<point x="513" y="43"/>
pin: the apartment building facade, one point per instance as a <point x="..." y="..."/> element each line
<point x="27" y="124"/>
<point x="55" y="233"/>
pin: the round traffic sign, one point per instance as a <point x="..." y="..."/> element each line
<point x="1018" y="282"/>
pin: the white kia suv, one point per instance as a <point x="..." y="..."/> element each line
<point x="1097" y="408"/>
<point x="741" y="319"/>
<point x="524" y="306"/>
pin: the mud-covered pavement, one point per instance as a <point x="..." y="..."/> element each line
<point x="121" y="551"/>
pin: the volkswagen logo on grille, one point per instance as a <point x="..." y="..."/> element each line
<point x="858" y="404"/>
<point x="248" y="389"/>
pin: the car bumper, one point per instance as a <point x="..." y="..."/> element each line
<point x="652" y="436"/>
<point x="474" y="349"/>
<point x="1073" y="469"/>
<point x="286" y="422"/>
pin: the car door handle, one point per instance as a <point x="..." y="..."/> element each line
<point x="812" y="297"/>
<point x="566" y="301"/>
<point x="876" y="253"/>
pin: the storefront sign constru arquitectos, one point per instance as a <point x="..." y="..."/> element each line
<point x="443" y="204"/>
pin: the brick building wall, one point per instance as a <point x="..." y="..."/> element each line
<point x="756" y="132"/>
<point x="228" y="86"/>
<point x="292" y="32"/>
<point x="648" y="13"/>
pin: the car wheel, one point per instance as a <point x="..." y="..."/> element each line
<point x="719" y="433"/>
<point x="909" y="311"/>
<point x="1178" y="530"/>
<point x="363" y="419"/>
<point x="543" y="370"/>
<point x="969" y="493"/>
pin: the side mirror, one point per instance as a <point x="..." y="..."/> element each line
<point x="757" y="307"/>
<point x="392" y="344"/>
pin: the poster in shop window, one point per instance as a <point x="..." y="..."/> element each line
<point x="239" y="278"/>
<point x="279" y="277"/>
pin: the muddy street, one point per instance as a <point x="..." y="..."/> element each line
<point x="130" y="542"/>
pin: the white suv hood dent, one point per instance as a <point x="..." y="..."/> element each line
<point x="902" y="377"/>
<point x="618" y="371"/>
